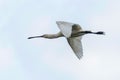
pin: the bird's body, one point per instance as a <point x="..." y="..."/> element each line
<point x="73" y="33"/>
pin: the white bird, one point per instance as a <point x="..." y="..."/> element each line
<point x="73" y="33"/>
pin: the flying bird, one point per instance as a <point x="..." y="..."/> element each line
<point x="73" y="33"/>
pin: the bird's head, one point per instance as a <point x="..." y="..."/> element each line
<point x="44" y="36"/>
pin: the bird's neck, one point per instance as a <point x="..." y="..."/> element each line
<point x="52" y="36"/>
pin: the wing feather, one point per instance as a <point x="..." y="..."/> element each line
<point x="76" y="46"/>
<point x="68" y="28"/>
<point x="65" y="27"/>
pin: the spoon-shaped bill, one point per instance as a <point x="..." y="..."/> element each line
<point x="34" y="37"/>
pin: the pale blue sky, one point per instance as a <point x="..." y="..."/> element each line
<point x="41" y="59"/>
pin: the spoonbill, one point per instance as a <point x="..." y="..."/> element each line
<point x="73" y="33"/>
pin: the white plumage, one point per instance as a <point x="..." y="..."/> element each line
<point x="73" y="33"/>
<point x="74" y="42"/>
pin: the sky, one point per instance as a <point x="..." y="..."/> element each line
<point x="44" y="59"/>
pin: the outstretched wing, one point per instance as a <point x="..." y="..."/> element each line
<point x="67" y="28"/>
<point x="76" y="46"/>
